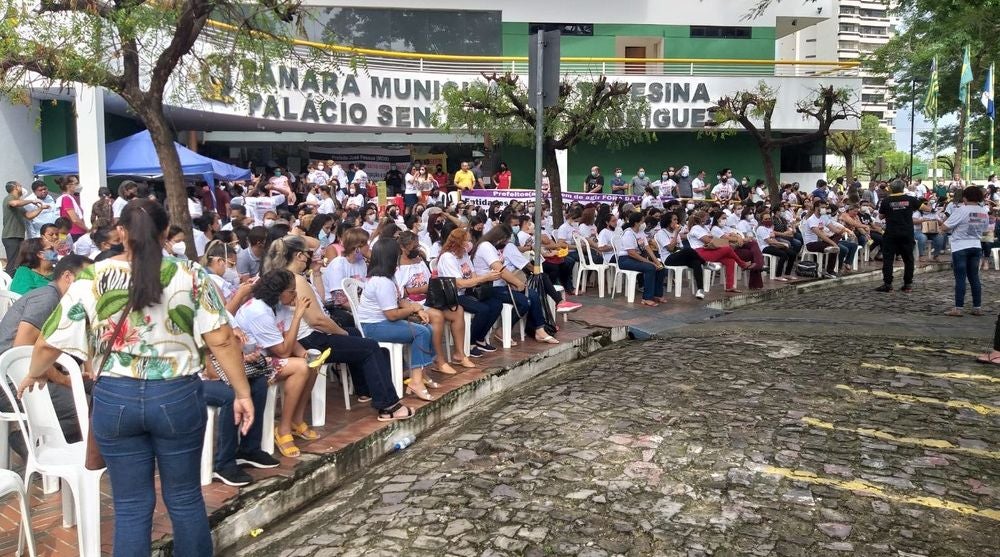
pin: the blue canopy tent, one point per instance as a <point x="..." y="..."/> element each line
<point x="135" y="156"/>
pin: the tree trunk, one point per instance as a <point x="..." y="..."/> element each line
<point x="960" y="144"/>
<point x="849" y="167"/>
<point x="550" y="163"/>
<point x="773" y="187"/>
<point x="173" y="176"/>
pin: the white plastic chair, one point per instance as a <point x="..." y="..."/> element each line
<point x="631" y="277"/>
<point x="507" y="325"/>
<point x="675" y="278"/>
<point x="5" y="281"/>
<point x="208" y="446"/>
<point x="10" y="482"/>
<point x="466" y="342"/>
<point x="995" y="254"/>
<point x="709" y="271"/>
<point x="267" y="432"/>
<point x="351" y="288"/>
<point x="772" y="265"/>
<point x="819" y="256"/>
<point x="585" y="265"/>
<point x="50" y="454"/>
<point x="7" y="299"/>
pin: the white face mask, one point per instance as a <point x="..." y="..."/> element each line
<point x="642" y="227"/>
<point x="824" y="211"/>
<point x="268" y="223"/>
<point x="722" y="222"/>
<point x="178" y="248"/>
<point x="231" y="276"/>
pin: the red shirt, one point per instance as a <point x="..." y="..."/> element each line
<point x="503" y="180"/>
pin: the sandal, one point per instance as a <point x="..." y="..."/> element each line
<point x="286" y="445"/>
<point x="430" y="383"/>
<point x="389" y="414"/>
<point x="499" y="337"/>
<point x="991" y="357"/>
<point x="302" y="431"/>
<point x="953" y="312"/>
<point x="444" y="369"/>
<point x="466" y="363"/>
<point x="649" y="303"/>
<point x="549" y="339"/>
<point x="422" y="394"/>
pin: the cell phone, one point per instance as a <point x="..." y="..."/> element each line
<point x="250" y="347"/>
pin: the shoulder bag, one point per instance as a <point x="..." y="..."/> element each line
<point x="93" y="459"/>
<point x="442" y="293"/>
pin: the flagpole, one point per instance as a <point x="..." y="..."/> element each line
<point x="968" y="140"/>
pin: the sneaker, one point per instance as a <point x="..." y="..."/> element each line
<point x="700" y="294"/>
<point x="884" y="288"/>
<point x="475" y="352"/>
<point x="830" y="275"/>
<point x="907" y="288"/>
<point x="258" y="459"/>
<point x="232" y="476"/>
<point x="485" y="346"/>
<point x="567" y="306"/>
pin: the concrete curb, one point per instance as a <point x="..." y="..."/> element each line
<point x="748" y="298"/>
<point x="275" y="498"/>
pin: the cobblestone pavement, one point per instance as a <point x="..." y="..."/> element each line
<point x="734" y="438"/>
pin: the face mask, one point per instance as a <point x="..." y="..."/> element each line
<point x="722" y="222"/>
<point x="324" y="236"/>
<point x="618" y="174"/>
<point x="277" y="173"/>
<point x="178" y="248"/>
<point x="51" y="256"/>
<point x="642" y="174"/>
<point x="467" y="247"/>
<point x="744" y="182"/>
<point x="684" y="173"/>
<point x="353" y="192"/>
<point x="358" y="256"/>
<point x="545" y="173"/>
<point x="231" y="276"/>
<point x="594" y="173"/>
<point x="642" y="227"/>
<point x="516" y="229"/>
<point x="824" y="211"/>
<point x="664" y="177"/>
<point x="413" y="253"/>
<point x="320" y="167"/>
<point x="268" y="223"/>
<point x="370" y="219"/>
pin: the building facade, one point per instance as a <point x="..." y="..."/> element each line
<point x="692" y="54"/>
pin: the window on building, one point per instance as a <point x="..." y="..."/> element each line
<point x="848" y="27"/>
<point x="848" y="10"/>
<point x="864" y="12"/>
<point x="848" y="45"/>
<point x="872" y="98"/>
<point x="875" y="81"/>
<point x="805" y="157"/>
<point x="574" y="29"/>
<point x="719" y="32"/>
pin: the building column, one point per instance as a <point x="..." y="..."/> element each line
<point x="90" y="145"/>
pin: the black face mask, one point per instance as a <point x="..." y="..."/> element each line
<point x="413" y="253"/>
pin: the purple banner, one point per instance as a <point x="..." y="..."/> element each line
<point x="485" y="197"/>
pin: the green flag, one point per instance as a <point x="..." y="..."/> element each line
<point x="931" y="101"/>
<point x="966" y="76"/>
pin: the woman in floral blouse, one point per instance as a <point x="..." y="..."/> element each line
<point x="148" y="406"/>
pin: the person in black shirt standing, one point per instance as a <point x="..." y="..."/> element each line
<point x="594" y="182"/>
<point x="897" y="209"/>
<point x="394" y="182"/>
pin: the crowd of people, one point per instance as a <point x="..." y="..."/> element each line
<point x="308" y="270"/>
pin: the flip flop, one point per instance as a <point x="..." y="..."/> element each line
<point x="319" y="360"/>
<point x="987" y="359"/>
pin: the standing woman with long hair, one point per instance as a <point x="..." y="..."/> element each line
<point x="967" y="224"/>
<point x="69" y="205"/>
<point x="148" y="405"/>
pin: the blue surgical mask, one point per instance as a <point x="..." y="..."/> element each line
<point x="51" y="255"/>
<point x="516" y="229"/>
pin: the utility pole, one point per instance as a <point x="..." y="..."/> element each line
<point x="913" y="101"/>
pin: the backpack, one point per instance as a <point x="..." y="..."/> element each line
<point x="807" y="269"/>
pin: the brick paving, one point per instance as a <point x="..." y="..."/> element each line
<point x="743" y="436"/>
<point x="344" y="427"/>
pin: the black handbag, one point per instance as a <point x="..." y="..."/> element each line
<point x="442" y="293"/>
<point x="481" y="292"/>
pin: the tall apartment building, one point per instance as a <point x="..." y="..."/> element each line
<point x="860" y="27"/>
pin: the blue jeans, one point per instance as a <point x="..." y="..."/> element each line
<point x="140" y="425"/>
<point x="484" y="315"/>
<point x="965" y="264"/>
<point x="528" y="304"/>
<point x="409" y="199"/>
<point x="937" y="242"/>
<point x="221" y="395"/>
<point x="921" y="240"/>
<point x="652" y="279"/>
<point x="417" y="335"/>
<point x="847" y="251"/>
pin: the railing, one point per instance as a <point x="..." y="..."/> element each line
<point x="475" y="65"/>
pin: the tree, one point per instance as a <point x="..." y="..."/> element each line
<point x="852" y="145"/>
<point x="930" y="28"/>
<point x="587" y="111"/>
<point x="136" y="49"/>
<point x="753" y="110"/>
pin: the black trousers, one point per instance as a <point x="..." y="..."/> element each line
<point x="786" y="259"/>
<point x="11" y="246"/>
<point x="903" y="247"/>
<point x="687" y="257"/>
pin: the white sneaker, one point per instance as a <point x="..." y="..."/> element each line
<point x="700" y="294"/>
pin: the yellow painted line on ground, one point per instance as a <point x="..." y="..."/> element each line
<point x="984" y="409"/>
<point x="939" y="374"/>
<point x="861" y="486"/>
<point x="939" y="444"/>
<point x="945" y="350"/>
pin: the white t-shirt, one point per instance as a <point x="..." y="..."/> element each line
<point x="746" y="228"/>
<point x="414" y="275"/>
<point x="225" y="287"/>
<point x="763" y="235"/>
<point x="513" y="259"/>
<point x="335" y="273"/>
<point x="284" y="317"/>
<point x="410" y="184"/>
<point x="605" y="237"/>
<point x="259" y="323"/>
<point x="380" y="295"/>
<point x="200" y="241"/>
<point x="695" y="236"/>
<point x="194" y="207"/>
<point x="117" y="205"/>
<point x="967" y="223"/>
<point x="808" y="235"/>
<point x="355" y="201"/>
<point x="486" y="255"/>
<point x="586" y="230"/>
<point x="84" y="245"/>
<point x="628" y="241"/>
<point x="326" y="206"/>
<point x="257" y="206"/>
<point x="361" y="178"/>
<point x="525" y="239"/>
<point x="663" y="238"/>
<point x="450" y="266"/>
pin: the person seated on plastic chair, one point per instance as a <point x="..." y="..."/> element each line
<point x="633" y="255"/>
<point x="21" y="326"/>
